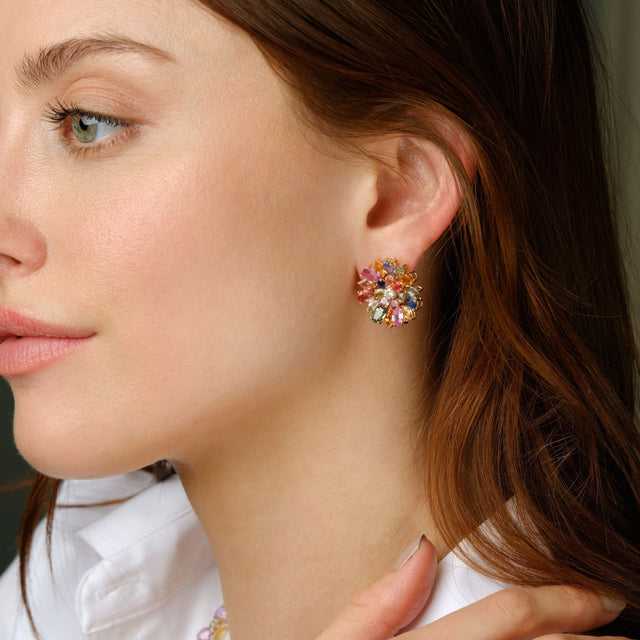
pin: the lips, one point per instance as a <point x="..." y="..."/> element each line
<point x="27" y="344"/>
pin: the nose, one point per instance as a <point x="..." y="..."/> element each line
<point x="23" y="249"/>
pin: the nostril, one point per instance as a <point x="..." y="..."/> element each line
<point x="9" y="264"/>
<point x="23" y="249"/>
<point x="8" y="261"/>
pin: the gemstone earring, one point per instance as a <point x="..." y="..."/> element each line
<point x="390" y="293"/>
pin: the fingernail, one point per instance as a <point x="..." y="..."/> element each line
<point x="612" y="605"/>
<point x="409" y="552"/>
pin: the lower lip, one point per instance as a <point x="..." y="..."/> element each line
<point x="24" y="355"/>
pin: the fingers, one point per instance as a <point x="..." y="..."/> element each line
<point x="566" y="636"/>
<point x="520" y="614"/>
<point x="390" y="604"/>
<point x="543" y="613"/>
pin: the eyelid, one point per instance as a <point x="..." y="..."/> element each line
<point x="60" y="115"/>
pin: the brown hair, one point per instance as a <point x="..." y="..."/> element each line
<point x="534" y="363"/>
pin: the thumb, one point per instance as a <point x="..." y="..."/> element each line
<point x="391" y="603"/>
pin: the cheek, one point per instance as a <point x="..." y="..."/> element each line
<point x="213" y="288"/>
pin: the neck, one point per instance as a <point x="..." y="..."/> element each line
<point x="311" y="504"/>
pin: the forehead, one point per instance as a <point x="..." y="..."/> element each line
<point x="184" y="28"/>
<point x="32" y="19"/>
<point x="207" y="53"/>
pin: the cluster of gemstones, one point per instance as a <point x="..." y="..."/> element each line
<point x="217" y="628"/>
<point x="390" y="293"/>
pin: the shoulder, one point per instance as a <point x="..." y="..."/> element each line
<point x="115" y="545"/>
<point x="52" y="581"/>
<point x="9" y="600"/>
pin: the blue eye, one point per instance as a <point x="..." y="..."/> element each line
<point x="88" y="128"/>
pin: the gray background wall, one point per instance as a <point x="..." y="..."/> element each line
<point x="619" y="21"/>
<point x="620" y="24"/>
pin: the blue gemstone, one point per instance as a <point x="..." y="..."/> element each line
<point x="381" y="283"/>
<point x="411" y="303"/>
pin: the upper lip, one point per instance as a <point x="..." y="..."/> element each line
<point x="15" y="324"/>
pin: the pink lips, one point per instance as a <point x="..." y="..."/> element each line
<point x="27" y="344"/>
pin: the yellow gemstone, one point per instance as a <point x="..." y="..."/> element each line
<point x="220" y="633"/>
<point x="220" y="629"/>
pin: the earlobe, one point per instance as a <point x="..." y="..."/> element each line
<point x="418" y="195"/>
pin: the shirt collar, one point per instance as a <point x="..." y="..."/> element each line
<point x="150" y="509"/>
<point x="150" y="546"/>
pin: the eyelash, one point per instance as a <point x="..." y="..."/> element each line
<point x="59" y="114"/>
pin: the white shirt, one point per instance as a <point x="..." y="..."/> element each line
<point x="142" y="569"/>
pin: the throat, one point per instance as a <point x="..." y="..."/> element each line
<point x="309" y="502"/>
<point x="291" y="555"/>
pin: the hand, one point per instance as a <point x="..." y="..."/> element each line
<point x="392" y="603"/>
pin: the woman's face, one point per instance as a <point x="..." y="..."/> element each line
<point x="160" y="196"/>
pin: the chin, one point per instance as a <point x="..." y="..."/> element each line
<point x="63" y="452"/>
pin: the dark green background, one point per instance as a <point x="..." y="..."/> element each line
<point x="12" y="469"/>
<point x="619" y="22"/>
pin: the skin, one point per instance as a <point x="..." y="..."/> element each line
<point x="211" y="246"/>
<point x="212" y="249"/>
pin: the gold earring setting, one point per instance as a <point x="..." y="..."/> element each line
<point x="390" y="293"/>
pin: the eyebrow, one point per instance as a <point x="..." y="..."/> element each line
<point x="54" y="60"/>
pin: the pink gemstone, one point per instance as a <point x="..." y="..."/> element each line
<point x="397" y="316"/>
<point x="205" y="634"/>
<point x="394" y="303"/>
<point x="221" y="613"/>
<point x="370" y="275"/>
<point x="384" y="302"/>
<point x="364" y="295"/>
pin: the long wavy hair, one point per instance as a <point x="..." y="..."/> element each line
<point x="534" y="365"/>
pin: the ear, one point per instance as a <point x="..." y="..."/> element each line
<point x="417" y="197"/>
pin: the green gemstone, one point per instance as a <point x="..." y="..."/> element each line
<point x="372" y="306"/>
<point x="378" y="314"/>
<point x="378" y="293"/>
<point x="400" y="270"/>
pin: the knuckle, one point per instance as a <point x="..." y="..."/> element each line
<point x="576" y="601"/>
<point x="517" y="606"/>
<point x="373" y="613"/>
<point x="364" y="600"/>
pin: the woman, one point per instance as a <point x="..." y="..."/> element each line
<point x="189" y="189"/>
